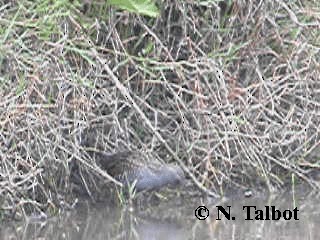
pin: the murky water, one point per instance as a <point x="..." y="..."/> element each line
<point x="173" y="220"/>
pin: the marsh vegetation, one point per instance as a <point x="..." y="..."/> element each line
<point x="228" y="90"/>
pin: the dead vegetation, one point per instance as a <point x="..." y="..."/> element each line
<point x="229" y="91"/>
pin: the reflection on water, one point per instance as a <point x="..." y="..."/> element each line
<point x="173" y="221"/>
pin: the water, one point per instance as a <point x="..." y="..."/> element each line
<point x="175" y="220"/>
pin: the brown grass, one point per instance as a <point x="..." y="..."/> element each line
<point x="230" y="92"/>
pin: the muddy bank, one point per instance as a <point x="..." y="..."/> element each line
<point x="174" y="220"/>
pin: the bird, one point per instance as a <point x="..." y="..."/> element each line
<point x="134" y="169"/>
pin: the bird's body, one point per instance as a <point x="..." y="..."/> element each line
<point x="146" y="178"/>
<point x="133" y="169"/>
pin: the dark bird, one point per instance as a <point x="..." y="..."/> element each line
<point x="133" y="168"/>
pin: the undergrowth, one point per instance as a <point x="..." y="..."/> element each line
<point x="227" y="89"/>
